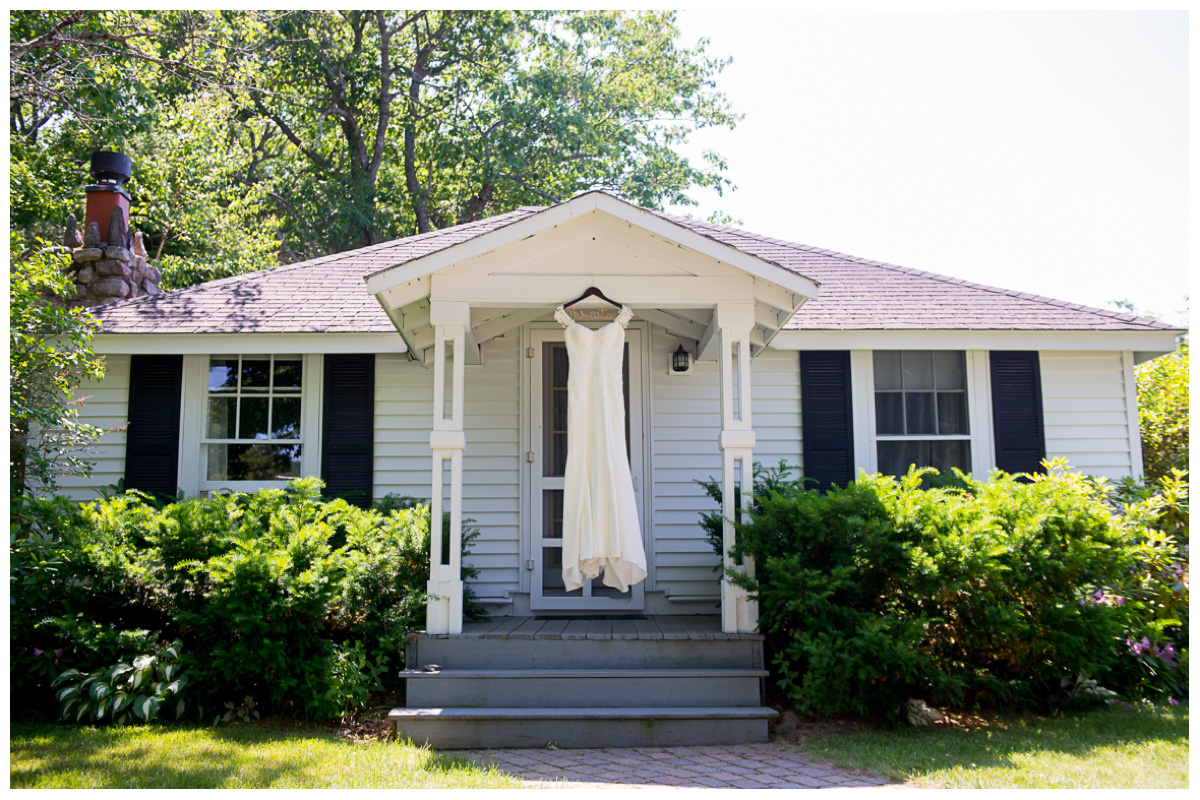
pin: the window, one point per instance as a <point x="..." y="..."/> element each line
<point x="921" y="410"/>
<point x="253" y="416"/>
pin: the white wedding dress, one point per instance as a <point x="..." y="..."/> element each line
<point x="600" y="530"/>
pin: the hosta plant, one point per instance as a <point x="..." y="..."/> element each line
<point x="129" y="691"/>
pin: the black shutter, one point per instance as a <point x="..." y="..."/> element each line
<point x="152" y="439"/>
<point x="1017" y="411"/>
<point x="825" y="407"/>
<point x="348" y="427"/>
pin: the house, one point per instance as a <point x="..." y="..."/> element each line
<point x="431" y="366"/>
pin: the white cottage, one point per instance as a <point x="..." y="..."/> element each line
<point x="431" y="366"/>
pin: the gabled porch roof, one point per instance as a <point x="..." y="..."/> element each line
<point x="669" y="274"/>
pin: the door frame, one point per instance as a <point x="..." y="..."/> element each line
<point x="534" y="336"/>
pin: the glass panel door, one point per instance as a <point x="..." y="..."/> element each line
<point x="548" y="405"/>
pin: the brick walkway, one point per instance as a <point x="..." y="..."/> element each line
<point x="744" y="766"/>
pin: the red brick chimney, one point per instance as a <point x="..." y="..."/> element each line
<point x="108" y="261"/>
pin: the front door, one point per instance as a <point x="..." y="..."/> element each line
<point x="549" y="368"/>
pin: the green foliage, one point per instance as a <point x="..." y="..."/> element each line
<point x="1005" y="592"/>
<point x="260" y="136"/>
<point x="1155" y="591"/>
<point x="137" y="690"/>
<point x="297" y="603"/>
<point x="49" y="356"/>
<point x="1163" y="412"/>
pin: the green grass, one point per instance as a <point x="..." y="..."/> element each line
<point x="1111" y="748"/>
<point x="61" y="756"/>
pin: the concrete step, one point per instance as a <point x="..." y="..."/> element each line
<point x="501" y="653"/>
<point x="601" y="688"/>
<point x="468" y="728"/>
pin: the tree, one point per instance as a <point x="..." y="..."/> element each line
<point x="1162" y="388"/>
<point x="342" y="129"/>
<point x="49" y="356"/>
<point x="1162" y="391"/>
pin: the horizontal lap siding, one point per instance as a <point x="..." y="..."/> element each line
<point x="1086" y="411"/>
<point x="686" y="422"/>
<point x="106" y="406"/>
<point x="491" y="463"/>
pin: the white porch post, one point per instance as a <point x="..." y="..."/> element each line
<point x="739" y="614"/>
<point x="450" y="321"/>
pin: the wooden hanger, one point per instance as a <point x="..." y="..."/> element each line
<point x="592" y="291"/>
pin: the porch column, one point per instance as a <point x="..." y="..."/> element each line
<point x="450" y="321"/>
<point x="739" y="614"/>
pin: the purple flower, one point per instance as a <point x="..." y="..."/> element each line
<point x="1172" y="701"/>
<point x="1120" y="601"/>
<point x="36" y="652"/>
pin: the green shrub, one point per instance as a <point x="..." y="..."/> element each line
<point x="1155" y="591"/>
<point x="970" y="592"/>
<point x="294" y="602"/>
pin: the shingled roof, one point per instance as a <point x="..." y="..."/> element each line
<point x="327" y="295"/>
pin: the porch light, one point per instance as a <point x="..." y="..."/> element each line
<point x="681" y="360"/>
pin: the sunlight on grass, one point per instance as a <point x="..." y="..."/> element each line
<point x="1113" y="748"/>
<point x="48" y="756"/>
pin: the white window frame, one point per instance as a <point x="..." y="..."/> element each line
<point x="193" y="439"/>
<point x="979" y="411"/>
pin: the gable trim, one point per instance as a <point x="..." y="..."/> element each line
<point x="390" y="277"/>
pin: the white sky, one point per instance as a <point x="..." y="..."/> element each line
<point x="1040" y="151"/>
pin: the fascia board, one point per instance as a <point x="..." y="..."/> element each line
<point x="1148" y="343"/>
<point x="246" y="343"/>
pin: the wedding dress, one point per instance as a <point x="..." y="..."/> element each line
<point x="600" y="522"/>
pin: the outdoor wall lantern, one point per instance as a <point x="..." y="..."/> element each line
<point x="681" y="361"/>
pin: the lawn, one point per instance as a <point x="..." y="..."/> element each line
<point x="61" y="756"/>
<point x="1111" y="748"/>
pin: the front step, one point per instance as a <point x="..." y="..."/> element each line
<point x="742" y="652"/>
<point x="605" y="688"/>
<point x="528" y="682"/>
<point x="571" y="727"/>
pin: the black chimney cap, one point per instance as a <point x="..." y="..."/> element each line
<point x="110" y="167"/>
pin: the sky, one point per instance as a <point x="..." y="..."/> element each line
<point x="1045" y="152"/>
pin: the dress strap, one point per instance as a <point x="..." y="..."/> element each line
<point x="624" y="317"/>
<point x="563" y="317"/>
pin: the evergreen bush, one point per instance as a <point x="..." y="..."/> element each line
<point x="1011" y="592"/>
<point x="300" y="604"/>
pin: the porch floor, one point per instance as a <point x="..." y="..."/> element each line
<point x="647" y="627"/>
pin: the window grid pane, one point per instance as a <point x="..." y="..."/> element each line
<point x="921" y="395"/>
<point x="252" y="400"/>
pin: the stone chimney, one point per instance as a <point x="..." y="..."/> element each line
<point x="108" y="261"/>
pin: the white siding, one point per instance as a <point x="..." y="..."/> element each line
<point x="1086" y="399"/>
<point x="685" y="425"/>
<point x="491" y="463"/>
<point x="106" y="406"/>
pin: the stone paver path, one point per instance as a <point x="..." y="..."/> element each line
<point x="743" y="766"/>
